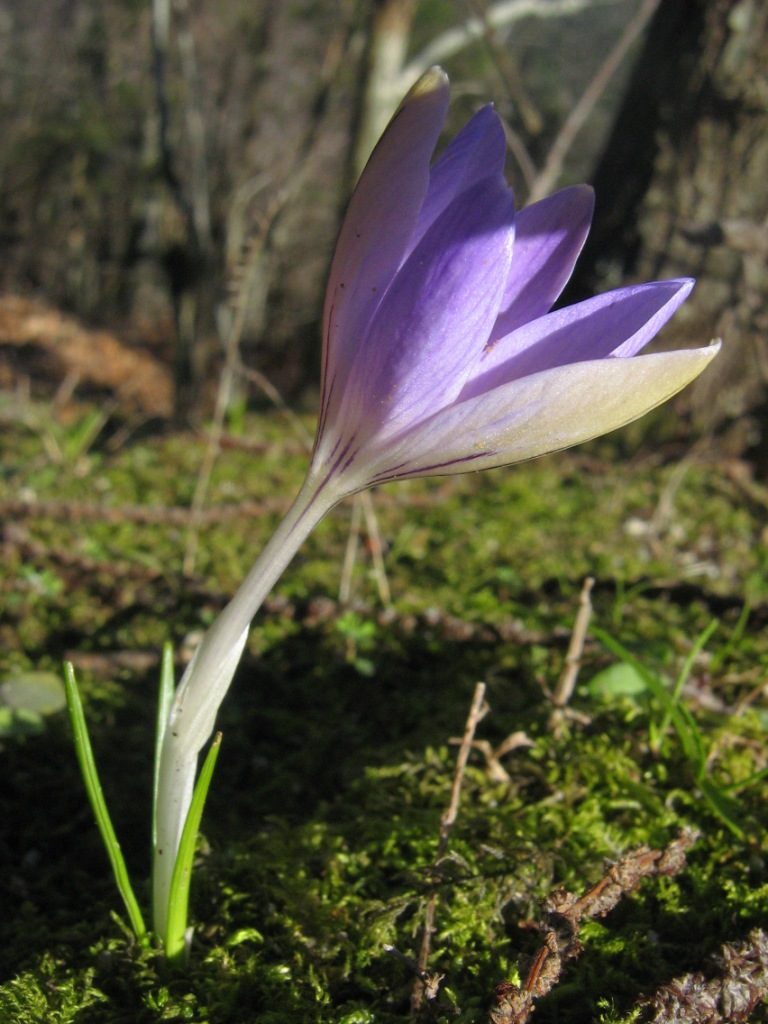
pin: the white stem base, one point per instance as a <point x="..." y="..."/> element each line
<point x="207" y="679"/>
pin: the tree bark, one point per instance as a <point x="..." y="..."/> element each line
<point x="682" y="189"/>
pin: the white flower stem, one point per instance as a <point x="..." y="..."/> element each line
<point x="207" y="679"/>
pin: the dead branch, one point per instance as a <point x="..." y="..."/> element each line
<point x="564" y="915"/>
<point x="729" y="998"/>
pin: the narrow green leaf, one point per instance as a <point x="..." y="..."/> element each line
<point x="688" y="732"/>
<point x="98" y="803"/>
<point x="164" y="699"/>
<point x="675" y="713"/>
<point x="737" y="787"/>
<point x="698" y="646"/>
<point x="719" y="657"/>
<point x="178" y="902"/>
<point x="724" y="807"/>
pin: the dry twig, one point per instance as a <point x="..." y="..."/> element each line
<point x="565" y="913"/>
<point x="570" y="674"/>
<point x="729" y="998"/>
<point x="493" y="755"/>
<point x="421" y="988"/>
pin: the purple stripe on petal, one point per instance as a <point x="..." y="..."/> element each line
<point x="331" y="470"/>
<point x="458" y="465"/>
<point x="477" y="152"/>
<point x="350" y="459"/>
<point x="549" y="236"/>
<point x="380" y="219"/>
<point x="435" y="318"/>
<point x="618" y="323"/>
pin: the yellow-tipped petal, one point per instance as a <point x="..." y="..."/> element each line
<point x="432" y="81"/>
<point x="546" y="412"/>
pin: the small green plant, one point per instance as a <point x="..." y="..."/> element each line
<point x="360" y="637"/>
<point x="630" y="677"/>
<point x="176" y="936"/>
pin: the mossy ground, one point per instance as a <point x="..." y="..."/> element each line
<point x="322" y="825"/>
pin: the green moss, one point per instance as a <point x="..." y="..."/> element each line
<point x="336" y="767"/>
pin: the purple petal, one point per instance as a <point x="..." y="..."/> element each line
<point x="542" y="413"/>
<point x="477" y="152"/>
<point x="435" y="318"/>
<point x="618" y="323"/>
<point x="379" y="223"/>
<point x="548" y="239"/>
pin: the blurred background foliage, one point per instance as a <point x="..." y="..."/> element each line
<point x="176" y="171"/>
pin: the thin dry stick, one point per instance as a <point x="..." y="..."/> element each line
<point x="376" y="547"/>
<point x="350" y="553"/>
<point x="520" y="152"/>
<point x="273" y="394"/>
<point x="507" y="70"/>
<point x="570" y="674"/>
<point x="477" y="710"/>
<point x="573" y="124"/>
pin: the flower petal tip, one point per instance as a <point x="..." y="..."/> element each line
<point x="432" y="81"/>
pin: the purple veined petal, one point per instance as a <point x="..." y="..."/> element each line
<point x="477" y="152"/>
<point x="435" y="318"/>
<point x="379" y="223"/>
<point x="617" y="323"/>
<point x="549" y="236"/>
<point x="543" y="413"/>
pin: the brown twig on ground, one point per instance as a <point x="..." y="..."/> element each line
<point x="73" y="512"/>
<point x="570" y="674"/>
<point x="729" y="998"/>
<point x="421" y="990"/>
<point x="565" y="913"/>
<point x="493" y="755"/>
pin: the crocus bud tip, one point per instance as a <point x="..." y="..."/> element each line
<point x="434" y="80"/>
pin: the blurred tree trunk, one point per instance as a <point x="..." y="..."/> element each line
<point x="388" y="37"/>
<point x="682" y="190"/>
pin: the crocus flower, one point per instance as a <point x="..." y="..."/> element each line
<point x="440" y="355"/>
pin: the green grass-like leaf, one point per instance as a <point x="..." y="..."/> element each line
<point x="689" y="735"/>
<point x="178" y="902"/>
<point x="98" y="803"/>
